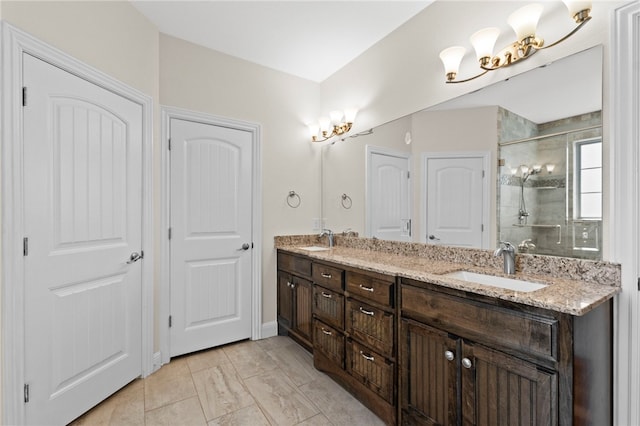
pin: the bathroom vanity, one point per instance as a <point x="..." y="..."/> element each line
<point x="420" y="345"/>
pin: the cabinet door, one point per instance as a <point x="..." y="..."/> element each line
<point x="429" y="370"/>
<point x="302" y="299"/>
<point x="498" y="389"/>
<point x="285" y="299"/>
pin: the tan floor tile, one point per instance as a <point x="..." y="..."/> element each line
<point x="275" y="342"/>
<point x="320" y="420"/>
<point x="206" y="359"/>
<point x="249" y="359"/>
<point x="338" y="405"/>
<point x="279" y="398"/>
<point x="296" y="362"/>
<point x="126" y="407"/>
<point x="159" y="393"/>
<point x="175" y="369"/>
<point x="250" y="415"/>
<point x="221" y="391"/>
<point x="185" y="413"/>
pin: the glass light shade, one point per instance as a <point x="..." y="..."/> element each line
<point x="576" y="6"/>
<point x="537" y="168"/>
<point x="484" y="40"/>
<point x="514" y="171"/>
<point x="350" y="114"/>
<point x="314" y="129"/>
<point x="550" y="167"/>
<point x="451" y="58"/>
<point x="525" y="20"/>
<point x="524" y="169"/>
<point x="325" y="124"/>
<point x="336" y="117"/>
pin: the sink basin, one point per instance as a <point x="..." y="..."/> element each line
<point x="502" y="282"/>
<point x="315" y="248"/>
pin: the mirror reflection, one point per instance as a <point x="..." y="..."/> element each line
<point x="518" y="161"/>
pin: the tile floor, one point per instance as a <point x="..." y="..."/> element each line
<point x="266" y="382"/>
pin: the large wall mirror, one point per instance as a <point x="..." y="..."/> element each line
<point x="519" y="161"/>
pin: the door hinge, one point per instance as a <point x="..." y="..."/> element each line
<point x="501" y="162"/>
<point x="408" y="175"/>
<point x="25" y="246"/>
<point x="26" y="393"/>
<point x="169" y="233"/>
<point x="170" y="321"/>
<point x="482" y="228"/>
<point x="169" y="145"/>
<point x="483" y="173"/>
<point x="638" y="283"/>
<point x="24" y="96"/>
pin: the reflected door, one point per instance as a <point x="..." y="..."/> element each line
<point x="211" y="249"/>
<point x="83" y="220"/>
<point x="388" y="183"/>
<point x="455" y="192"/>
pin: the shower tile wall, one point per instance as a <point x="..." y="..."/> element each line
<point x="548" y="197"/>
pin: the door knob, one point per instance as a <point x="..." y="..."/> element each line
<point x="245" y="246"/>
<point x="433" y="238"/>
<point x="135" y="256"/>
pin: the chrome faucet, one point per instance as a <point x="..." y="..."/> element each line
<point x="329" y="234"/>
<point x="527" y="245"/>
<point x="508" y="251"/>
<point x="349" y="233"/>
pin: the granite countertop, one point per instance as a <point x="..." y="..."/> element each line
<point x="563" y="294"/>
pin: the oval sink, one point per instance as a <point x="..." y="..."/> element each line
<point x="502" y="282"/>
<point x="315" y="248"/>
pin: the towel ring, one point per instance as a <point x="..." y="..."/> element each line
<point x="346" y="201"/>
<point x="293" y="200"/>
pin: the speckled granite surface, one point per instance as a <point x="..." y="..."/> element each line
<point x="575" y="286"/>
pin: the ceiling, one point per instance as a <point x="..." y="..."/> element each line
<point x="309" y="39"/>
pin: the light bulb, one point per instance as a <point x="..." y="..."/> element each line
<point x="451" y="58"/>
<point x="525" y="20"/>
<point x="483" y="42"/>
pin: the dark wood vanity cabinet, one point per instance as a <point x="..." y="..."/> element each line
<point x="472" y="360"/>
<point x="295" y="291"/>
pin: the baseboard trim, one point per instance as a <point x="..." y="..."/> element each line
<point x="269" y="329"/>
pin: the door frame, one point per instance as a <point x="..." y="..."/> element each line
<point x="16" y="43"/>
<point x="369" y="151"/>
<point x="486" y="200"/>
<point x="164" y="309"/>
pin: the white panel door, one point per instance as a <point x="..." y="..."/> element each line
<point x="389" y="206"/>
<point x="455" y="201"/>
<point x="211" y="200"/>
<point x="83" y="217"/>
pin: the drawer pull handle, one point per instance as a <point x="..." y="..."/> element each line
<point x="325" y="275"/>
<point x="327" y="295"/>
<point x="328" y="333"/>
<point x="364" y="311"/>
<point x="466" y="363"/>
<point x="367" y="357"/>
<point x="449" y="355"/>
<point x="366" y="288"/>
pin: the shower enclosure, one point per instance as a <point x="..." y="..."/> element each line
<point x="550" y="193"/>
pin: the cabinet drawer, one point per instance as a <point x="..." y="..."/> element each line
<point x="521" y="331"/>
<point x="367" y="287"/>
<point x="370" y="325"/>
<point x="371" y="368"/>
<point x="295" y="264"/>
<point x="329" y="341"/>
<point x="329" y="306"/>
<point x="327" y="276"/>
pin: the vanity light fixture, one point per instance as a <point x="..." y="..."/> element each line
<point x="338" y="123"/>
<point x="524" y="22"/>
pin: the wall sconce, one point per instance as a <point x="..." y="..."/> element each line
<point x="338" y="123"/>
<point x="524" y="22"/>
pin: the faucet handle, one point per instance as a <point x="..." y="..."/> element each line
<point x="507" y="245"/>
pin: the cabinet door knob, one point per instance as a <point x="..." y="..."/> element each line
<point x="466" y="363"/>
<point x="449" y="355"/>
<point x="289" y="284"/>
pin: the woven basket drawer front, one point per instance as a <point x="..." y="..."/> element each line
<point x="329" y="306"/>
<point x="329" y="341"/>
<point x="371" y="326"/>
<point x="370" y="368"/>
